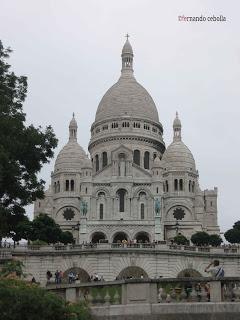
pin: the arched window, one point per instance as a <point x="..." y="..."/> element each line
<point x="157" y="190"/>
<point x="146" y="160"/>
<point x="136" y="157"/>
<point x="104" y="159"/>
<point x="55" y="187"/>
<point x="86" y="190"/>
<point x="166" y="186"/>
<point x="101" y="211"/>
<point x="80" y="187"/>
<point x="58" y="186"/>
<point x="72" y="185"/>
<point x="190" y="186"/>
<point x="67" y="185"/>
<point x="176" y="185"/>
<point x="97" y="162"/>
<point x="142" y="211"/>
<point x="121" y="195"/>
<point x="193" y="186"/>
<point x="181" y="184"/>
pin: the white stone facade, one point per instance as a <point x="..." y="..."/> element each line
<point x="132" y="188"/>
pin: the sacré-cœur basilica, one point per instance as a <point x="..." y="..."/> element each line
<point x="132" y="187"/>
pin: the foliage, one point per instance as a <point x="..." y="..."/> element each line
<point x="24" y="301"/>
<point x="12" y="268"/>
<point x="200" y="238"/>
<point x="39" y="243"/>
<point x="23" y="149"/>
<point x="181" y="240"/>
<point x="44" y="228"/>
<point x="233" y="235"/>
<point x="215" y="240"/>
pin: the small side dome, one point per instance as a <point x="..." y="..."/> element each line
<point x="72" y="157"/>
<point x="177" y="156"/>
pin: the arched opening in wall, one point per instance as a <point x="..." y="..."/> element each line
<point x="121" y="193"/>
<point x="190" y="185"/>
<point x="142" y="211"/>
<point x="142" y="237"/>
<point x="166" y="182"/>
<point x="101" y="209"/>
<point x="175" y="184"/>
<point x="189" y="273"/>
<point x="132" y="273"/>
<point x="146" y="160"/>
<point x="193" y="186"/>
<point x="181" y="184"/>
<point x="104" y="159"/>
<point x="72" y="185"/>
<point x="119" y="237"/>
<point x="136" y="157"/>
<point x="58" y="186"/>
<point x="67" y="185"/>
<point x="97" y="163"/>
<point x="79" y="274"/>
<point x="98" y="237"/>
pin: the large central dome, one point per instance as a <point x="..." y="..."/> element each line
<point x="127" y="98"/>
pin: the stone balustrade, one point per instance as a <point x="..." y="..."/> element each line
<point x="135" y="291"/>
<point x="162" y="246"/>
<point x="5" y="254"/>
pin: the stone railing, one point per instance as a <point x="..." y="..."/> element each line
<point x="5" y="254"/>
<point x="161" y="246"/>
<point x="135" y="291"/>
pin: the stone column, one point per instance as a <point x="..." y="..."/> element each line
<point x="215" y="291"/>
<point x="71" y="295"/>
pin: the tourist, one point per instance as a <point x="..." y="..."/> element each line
<point x="49" y="276"/>
<point x="33" y="280"/>
<point x="57" y="277"/>
<point x="215" y="269"/>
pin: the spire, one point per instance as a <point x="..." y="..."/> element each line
<point x="73" y="129"/>
<point x="127" y="57"/>
<point x="177" y="127"/>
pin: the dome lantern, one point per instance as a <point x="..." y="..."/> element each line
<point x="127" y="58"/>
<point x="177" y="128"/>
<point x="73" y="128"/>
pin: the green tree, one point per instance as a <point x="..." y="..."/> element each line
<point x="44" y="228"/>
<point x="13" y="267"/>
<point x="215" y="240"/>
<point x="20" y="300"/>
<point x="200" y="238"/>
<point x="23" y="149"/>
<point x="232" y="235"/>
<point x="181" y="240"/>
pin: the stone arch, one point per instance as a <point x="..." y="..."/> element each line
<point x="97" y="236"/>
<point x="141" y="189"/>
<point x="102" y="189"/>
<point x="132" y="272"/>
<point x="142" y="237"/>
<point x="189" y="273"/>
<point x="80" y="273"/>
<point x="120" y="236"/>
<point x="67" y="206"/>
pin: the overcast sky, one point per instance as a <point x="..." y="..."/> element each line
<point x="70" y="52"/>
